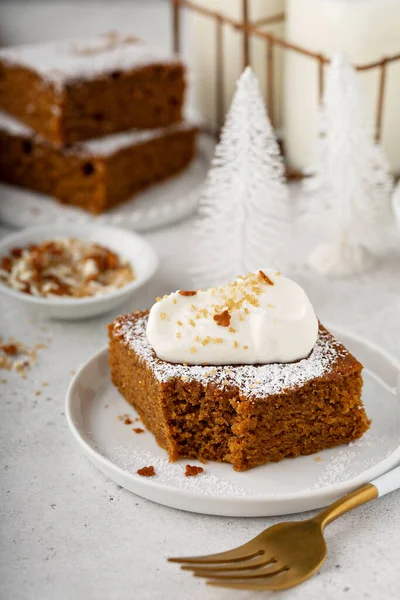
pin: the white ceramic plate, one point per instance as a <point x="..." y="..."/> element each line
<point x="160" y="205"/>
<point x="290" y="486"/>
<point x="131" y="246"/>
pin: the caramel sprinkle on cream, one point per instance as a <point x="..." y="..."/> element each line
<point x="187" y="293"/>
<point x="223" y="319"/>
<point x="266" y="278"/>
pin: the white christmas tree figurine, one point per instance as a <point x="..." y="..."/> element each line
<point x="244" y="211"/>
<point x="350" y="186"/>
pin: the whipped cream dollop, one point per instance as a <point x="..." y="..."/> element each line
<point x="261" y="318"/>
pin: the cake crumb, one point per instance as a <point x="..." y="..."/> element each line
<point x="38" y="393"/>
<point x="138" y="430"/>
<point x="187" y="293"/>
<point x="318" y="459"/>
<point x="192" y="471"/>
<point x="127" y="421"/>
<point x="146" y="471"/>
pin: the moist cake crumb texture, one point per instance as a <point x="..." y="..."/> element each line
<point x="246" y="415"/>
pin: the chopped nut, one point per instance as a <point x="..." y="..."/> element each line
<point x="10" y="349"/>
<point x="65" y="267"/>
<point x="138" y="430"/>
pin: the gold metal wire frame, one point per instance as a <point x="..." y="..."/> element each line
<point x="252" y="29"/>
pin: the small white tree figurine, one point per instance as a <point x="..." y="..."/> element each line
<point x="350" y="186"/>
<point x="244" y="212"/>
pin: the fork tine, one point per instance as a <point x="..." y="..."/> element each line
<point x="279" y="582"/>
<point x="241" y="553"/>
<point x="259" y="562"/>
<point x="270" y="571"/>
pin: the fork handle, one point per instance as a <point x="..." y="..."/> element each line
<point x="380" y="486"/>
<point x="388" y="482"/>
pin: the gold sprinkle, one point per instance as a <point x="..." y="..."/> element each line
<point x="178" y="335"/>
<point x="179" y="323"/>
<point x="165" y="296"/>
<point x="205" y="341"/>
<point x="192" y="349"/>
<point x="278" y="273"/>
<point x="174" y="301"/>
<point x="198" y="316"/>
<point x="163" y="316"/>
<point x="193" y="324"/>
<point x="158" y="299"/>
<point x="270" y="306"/>
<point x="236" y="344"/>
<point x="197" y="339"/>
<point x="246" y="310"/>
<point x="246" y="347"/>
<point x="217" y="340"/>
<point x="232" y="329"/>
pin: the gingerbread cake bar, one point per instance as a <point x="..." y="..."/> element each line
<point x="80" y="89"/>
<point x="97" y="174"/>
<point x="245" y="415"/>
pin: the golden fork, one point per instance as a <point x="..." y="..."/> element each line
<point x="286" y="554"/>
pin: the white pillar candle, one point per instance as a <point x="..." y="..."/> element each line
<point x="203" y="53"/>
<point x="367" y="30"/>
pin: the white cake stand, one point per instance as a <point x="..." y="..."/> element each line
<point x="160" y="205"/>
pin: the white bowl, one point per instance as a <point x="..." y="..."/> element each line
<point x="130" y="246"/>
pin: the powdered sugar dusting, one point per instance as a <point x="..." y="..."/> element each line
<point x="172" y="474"/>
<point x="339" y="468"/>
<point x="14" y="127"/>
<point x="105" y="146"/>
<point x="109" y="144"/>
<point x="257" y="381"/>
<point x="64" y="61"/>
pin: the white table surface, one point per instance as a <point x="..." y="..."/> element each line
<point x="68" y="533"/>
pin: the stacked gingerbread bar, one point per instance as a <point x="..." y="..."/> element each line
<point x="92" y="122"/>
